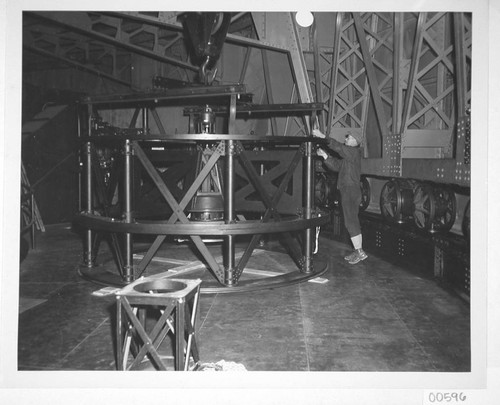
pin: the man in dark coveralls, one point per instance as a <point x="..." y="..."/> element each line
<point x="349" y="169"/>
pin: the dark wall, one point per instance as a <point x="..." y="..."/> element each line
<point x="35" y="97"/>
<point x="50" y="157"/>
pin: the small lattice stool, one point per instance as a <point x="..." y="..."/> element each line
<point x="177" y="302"/>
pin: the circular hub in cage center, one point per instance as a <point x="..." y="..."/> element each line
<point x="160" y="287"/>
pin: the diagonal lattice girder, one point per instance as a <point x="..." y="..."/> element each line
<point x="269" y="194"/>
<point x="433" y="104"/>
<point x="268" y="179"/>
<point x="431" y="71"/>
<point x="271" y="202"/>
<point x="176" y="178"/>
<point x="178" y="208"/>
<point x="347" y="99"/>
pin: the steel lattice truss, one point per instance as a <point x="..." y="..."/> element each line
<point x="378" y="29"/>
<point x="343" y="74"/>
<point x="430" y="91"/>
<point x="350" y="80"/>
<point x="105" y="44"/>
<point x="367" y="63"/>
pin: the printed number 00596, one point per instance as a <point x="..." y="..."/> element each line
<point x="440" y="397"/>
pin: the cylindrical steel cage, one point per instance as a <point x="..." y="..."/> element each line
<point x="265" y="184"/>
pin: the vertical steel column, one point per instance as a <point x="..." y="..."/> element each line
<point x="308" y="186"/>
<point x="145" y="122"/>
<point x="371" y="75"/>
<point x="412" y="76"/>
<point x="460" y="64"/>
<point x="179" y="334"/>
<point x="128" y="273"/>
<point x="396" y="76"/>
<point x="269" y="89"/>
<point x="80" y="163"/>
<point x="317" y="77"/>
<point x="89" y="235"/>
<point x="334" y="70"/>
<point x="229" y="245"/>
<point x="33" y="221"/>
<point x="229" y="213"/>
<point x="292" y="42"/>
<point x="88" y="255"/>
<point x="245" y="65"/>
<point x="119" y="337"/>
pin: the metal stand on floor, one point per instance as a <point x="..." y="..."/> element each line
<point x="177" y="303"/>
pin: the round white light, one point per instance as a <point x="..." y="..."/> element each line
<point x="304" y="18"/>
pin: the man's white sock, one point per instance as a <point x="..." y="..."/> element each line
<point x="357" y="241"/>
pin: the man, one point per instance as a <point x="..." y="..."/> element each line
<point x="349" y="169"/>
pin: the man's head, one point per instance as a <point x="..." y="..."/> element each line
<point x="353" y="139"/>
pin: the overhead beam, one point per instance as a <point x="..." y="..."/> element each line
<point x="62" y="17"/>
<point x="76" y="64"/>
<point x="230" y="38"/>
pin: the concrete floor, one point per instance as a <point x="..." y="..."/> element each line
<point x="373" y="316"/>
